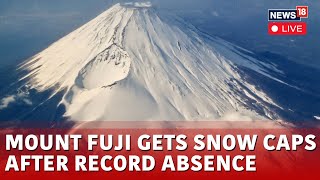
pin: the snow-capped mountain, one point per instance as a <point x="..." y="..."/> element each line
<point x="134" y="62"/>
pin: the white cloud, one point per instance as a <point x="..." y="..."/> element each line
<point x="20" y="96"/>
<point x="6" y="101"/>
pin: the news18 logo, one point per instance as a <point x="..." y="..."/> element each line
<point x="288" y="21"/>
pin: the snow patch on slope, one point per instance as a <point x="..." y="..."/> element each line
<point x="105" y="69"/>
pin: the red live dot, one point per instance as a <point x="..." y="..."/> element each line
<point x="274" y="28"/>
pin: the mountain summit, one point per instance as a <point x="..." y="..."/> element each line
<point x="134" y="62"/>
